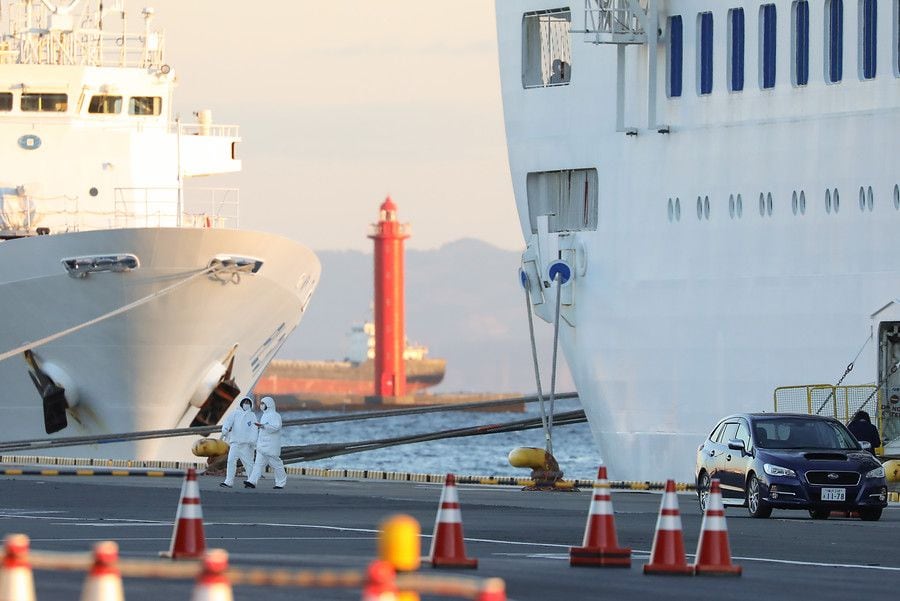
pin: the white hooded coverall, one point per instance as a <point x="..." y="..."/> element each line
<point x="240" y="432"/>
<point x="268" y="445"/>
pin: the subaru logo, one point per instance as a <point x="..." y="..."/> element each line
<point x="833" y="476"/>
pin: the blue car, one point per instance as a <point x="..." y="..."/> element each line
<point x="770" y="461"/>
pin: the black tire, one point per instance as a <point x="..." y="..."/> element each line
<point x="755" y="506"/>
<point x="872" y="514"/>
<point x="819" y="513"/>
<point x="703" y="484"/>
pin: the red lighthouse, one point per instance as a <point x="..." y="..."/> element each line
<point x="389" y="234"/>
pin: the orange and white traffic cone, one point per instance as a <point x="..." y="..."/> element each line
<point x="381" y="582"/>
<point x="493" y="589"/>
<point x="212" y="583"/>
<point x="104" y="580"/>
<point x="188" y="540"/>
<point x="447" y="546"/>
<point x="16" y="579"/>
<point x="600" y="546"/>
<point x="667" y="555"/>
<point x="713" y="552"/>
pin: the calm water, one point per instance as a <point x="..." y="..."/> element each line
<point x="483" y="455"/>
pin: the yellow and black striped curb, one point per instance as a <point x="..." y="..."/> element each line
<point x="88" y="471"/>
<point x="87" y="462"/>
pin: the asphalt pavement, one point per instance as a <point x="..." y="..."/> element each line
<point x="522" y="537"/>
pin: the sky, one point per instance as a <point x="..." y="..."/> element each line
<point x="343" y="103"/>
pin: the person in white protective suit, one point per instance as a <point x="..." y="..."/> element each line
<point x="240" y="432"/>
<point x="268" y="446"/>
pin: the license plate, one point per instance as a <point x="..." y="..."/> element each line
<point x="834" y="494"/>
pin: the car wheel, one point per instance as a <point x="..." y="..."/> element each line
<point x="755" y="505"/>
<point x="818" y="513"/>
<point x="872" y="514"/>
<point x="703" y="490"/>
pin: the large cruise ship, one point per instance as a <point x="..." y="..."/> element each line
<point x="130" y="299"/>
<point x="721" y="180"/>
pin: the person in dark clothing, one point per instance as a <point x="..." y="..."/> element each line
<point x="861" y="427"/>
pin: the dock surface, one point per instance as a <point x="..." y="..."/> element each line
<point x="522" y="537"/>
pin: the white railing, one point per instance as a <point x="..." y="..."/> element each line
<point x="169" y="207"/>
<point x="615" y="21"/>
<point x="205" y="129"/>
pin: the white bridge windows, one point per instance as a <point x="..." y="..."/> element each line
<point x="6" y="101"/>
<point x="44" y="103"/>
<point x="546" y="52"/>
<point x="569" y="197"/>
<point x="145" y="105"/>
<point x="102" y="104"/>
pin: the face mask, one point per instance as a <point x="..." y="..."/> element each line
<point x="245" y="406"/>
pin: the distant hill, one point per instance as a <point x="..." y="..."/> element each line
<point x="463" y="302"/>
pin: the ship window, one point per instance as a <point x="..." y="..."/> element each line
<point x="762" y="204"/>
<point x="897" y="38"/>
<point x="897" y="196"/>
<point x="45" y="103"/>
<point x="870" y="199"/>
<point x="739" y="206"/>
<point x="868" y="38"/>
<point x="802" y="202"/>
<point x="676" y="55"/>
<point x="6" y="101"/>
<point x="145" y="105"/>
<point x="736" y="50"/>
<point x="546" y="55"/>
<point x="767" y="34"/>
<point x="731" y="205"/>
<point x="699" y="208"/>
<point x="569" y="197"/>
<point x="671" y="211"/>
<point x="801" y="43"/>
<point x="828" y="201"/>
<point x="769" y="204"/>
<point x="705" y="55"/>
<point x="105" y="105"/>
<point x="706" y="207"/>
<point x="862" y="198"/>
<point x="677" y="209"/>
<point x="834" y="36"/>
<point x="795" y="202"/>
<point x="836" y="200"/>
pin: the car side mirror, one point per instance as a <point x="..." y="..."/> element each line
<point x="866" y="445"/>
<point x="737" y="445"/>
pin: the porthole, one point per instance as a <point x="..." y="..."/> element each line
<point x="802" y="202"/>
<point x="699" y="208"/>
<point x="706" y="207"/>
<point x="671" y="211"/>
<point x="836" y="200"/>
<point x="762" y="204"/>
<point x="769" y="204"/>
<point x="897" y="196"/>
<point x="739" y="206"/>
<point x="870" y="199"/>
<point x="795" y="203"/>
<point x="677" y="209"/>
<point x="862" y="198"/>
<point x="828" y="201"/>
<point x="731" y="205"/>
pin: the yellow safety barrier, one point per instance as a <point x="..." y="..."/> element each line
<point x="839" y="402"/>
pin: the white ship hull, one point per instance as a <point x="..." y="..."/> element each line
<point x="675" y="323"/>
<point x="138" y="370"/>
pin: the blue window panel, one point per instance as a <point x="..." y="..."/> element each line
<point x="869" y="39"/>
<point x="676" y="55"/>
<point x="737" y="49"/>
<point x="835" y="18"/>
<point x="769" y="33"/>
<point x="801" y="39"/>
<point x="706" y="53"/>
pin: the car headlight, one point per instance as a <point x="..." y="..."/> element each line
<point x="878" y="472"/>
<point x="777" y="470"/>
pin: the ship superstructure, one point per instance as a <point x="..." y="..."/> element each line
<point x="721" y="180"/>
<point x="131" y="300"/>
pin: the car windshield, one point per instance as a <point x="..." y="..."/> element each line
<point x="800" y="433"/>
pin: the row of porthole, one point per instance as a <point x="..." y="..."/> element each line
<point x="766" y="203"/>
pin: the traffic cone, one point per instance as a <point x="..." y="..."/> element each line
<point x="104" y="581"/>
<point x="381" y="582"/>
<point x="600" y="546"/>
<point x="212" y="583"/>
<point x="187" y="536"/>
<point x="713" y="553"/>
<point x="16" y="580"/>
<point x="667" y="555"/>
<point x="447" y="546"/>
<point x="493" y="589"/>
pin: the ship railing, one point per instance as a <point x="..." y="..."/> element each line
<point x="839" y="402"/>
<point x="615" y="21"/>
<point x="175" y="207"/>
<point x="24" y="215"/>
<point x="205" y="129"/>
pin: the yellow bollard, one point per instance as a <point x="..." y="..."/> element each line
<point x="399" y="544"/>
